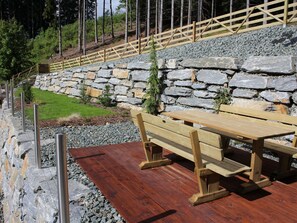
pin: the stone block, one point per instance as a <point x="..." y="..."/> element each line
<point x="104" y="73"/>
<point x="79" y="75"/>
<point x="75" y="92"/>
<point x="121" y="98"/>
<point x="121" y="90"/>
<point x="91" y="75"/>
<point x="138" y="93"/>
<point x="252" y="104"/>
<point x="214" y="88"/>
<point x="204" y="94"/>
<point x="114" y="81"/>
<point x="168" y="99"/>
<point x="93" y="92"/>
<point x="171" y="64"/>
<point x="186" y="74"/>
<point x="178" y="91"/>
<point x="121" y="66"/>
<point x="212" y="77"/>
<point x="196" y="102"/>
<point x="183" y="83"/>
<point x="161" y="64"/>
<point x="286" y="84"/>
<point x="138" y="66"/>
<point x="101" y="80"/>
<point x="244" y="93"/>
<point x="93" y="68"/>
<point x="294" y="97"/>
<point x="139" y="75"/>
<point x="270" y="64"/>
<point x="212" y="62"/>
<point x="71" y="83"/>
<point x="134" y="101"/>
<point x="276" y="97"/>
<point x="243" y="80"/>
<point x="140" y="85"/>
<point x="169" y="108"/>
<point x="120" y="73"/>
<point x="126" y="83"/>
<point x="198" y="85"/>
<point x="98" y="86"/>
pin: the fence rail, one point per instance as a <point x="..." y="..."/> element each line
<point x="278" y="12"/>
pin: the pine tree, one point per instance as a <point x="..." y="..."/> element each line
<point x="154" y="84"/>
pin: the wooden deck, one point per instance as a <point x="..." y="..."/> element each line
<point x="161" y="194"/>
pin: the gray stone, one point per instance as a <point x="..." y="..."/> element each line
<point x="110" y="66"/>
<point x="214" y="88"/>
<point x="286" y="84"/>
<point x="141" y="85"/>
<point x="139" y="66"/>
<point x="204" y="94"/>
<point x="243" y="93"/>
<point x="248" y="81"/>
<point x="79" y="75"/>
<point x="178" y="91"/>
<point x="196" y="102"/>
<point x="98" y="86"/>
<point x="183" y="83"/>
<point x="161" y="64"/>
<point x="276" y="97"/>
<point x="88" y="82"/>
<point x="271" y="82"/>
<point x="271" y="64"/>
<point x="171" y="64"/>
<point x="212" y="77"/>
<point x="121" y="90"/>
<point x="126" y="83"/>
<point x="134" y="101"/>
<point x="170" y="108"/>
<point x="121" y="98"/>
<point x="75" y="92"/>
<point x="104" y="73"/>
<point x="167" y="99"/>
<point x="114" y="81"/>
<point x="294" y="97"/>
<point x="77" y="70"/>
<point x="199" y="85"/>
<point x="139" y="75"/>
<point x="101" y="80"/>
<point x="229" y="72"/>
<point x="186" y="74"/>
<point x="122" y="66"/>
<point x="212" y="62"/>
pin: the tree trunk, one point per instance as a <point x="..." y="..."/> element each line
<point x="231" y="10"/>
<point x="148" y="17"/>
<point x="247" y="6"/>
<point x="212" y="14"/>
<point x="131" y="21"/>
<point x="172" y="14"/>
<point x="103" y="23"/>
<point x="79" y="37"/>
<point x="199" y="16"/>
<point x="126" y="23"/>
<point x="161" y="16"/>
<point x="265" y="15"/>
<point x="156" y="17"/>
<point x="60" y="30"/>
<point x="96" y="25"/>
<point x="84" y="27"/>
<point x="111" y="17"/>
<point x="181" y="12"/>
<point x="190" y="12"/>
<point x="137" y="29"/>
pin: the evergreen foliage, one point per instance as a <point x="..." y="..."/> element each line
<point x="105" y="98"/>
<point x="223" y="97"/>
<point x="14" y="49"/>
<point x="85" y="98"/>
<point x="28" y="94"/>
<point x="152" y="96"/>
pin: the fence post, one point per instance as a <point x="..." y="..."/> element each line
<point x="194" y="32"/>
<point x="37" y="138"/>
<point x="286" y="13"/>
<point x="7" y="93"/>
<point x="104" y="55"/>
<point x="23" y="111"/>
<point x="63" y="194"/>
<point x="79" y="60"/>
<point x="12" y="96"/>
<point x="139" y="45"/>
<point x="63" y="64"/>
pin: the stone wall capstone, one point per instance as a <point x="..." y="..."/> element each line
<point x="187" y="83"/>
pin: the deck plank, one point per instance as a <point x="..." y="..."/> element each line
<point x="161" y="194"/>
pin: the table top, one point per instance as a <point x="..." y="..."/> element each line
<point x="239" y="128"/>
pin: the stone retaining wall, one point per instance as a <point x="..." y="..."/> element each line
<point x="30" y="194"/>
<point x="187" y="83"/>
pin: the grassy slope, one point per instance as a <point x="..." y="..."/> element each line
<point x="53" y="106"/>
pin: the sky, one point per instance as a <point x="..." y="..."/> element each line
<point x="115" y="4"/>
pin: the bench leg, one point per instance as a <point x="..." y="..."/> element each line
<point x="209" y="186"/>
<point x="154" y="157"/>
<point x="284" y="168"/>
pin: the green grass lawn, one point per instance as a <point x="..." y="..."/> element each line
<point x="53" y="106"/>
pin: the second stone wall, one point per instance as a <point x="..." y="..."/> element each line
<point x="268" y="82"/>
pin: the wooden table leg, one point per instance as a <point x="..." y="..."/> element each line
<point x="256" y="181"/>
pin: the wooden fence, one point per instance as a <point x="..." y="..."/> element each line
<point x="261" y="16"/>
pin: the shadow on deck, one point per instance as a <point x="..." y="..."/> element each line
<point x="161" y="194"/>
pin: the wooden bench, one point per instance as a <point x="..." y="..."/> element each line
<point x="284" y="152"/>
<point x="202" y="147"/>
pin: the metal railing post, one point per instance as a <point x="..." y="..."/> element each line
<point x="286" y="6"/>
<point x="37" y="138"/>
<point x="7" y="93"/>
<point x="63" y="194"/>
<point x="12" y="96"/>
<point x="23" y="111"/>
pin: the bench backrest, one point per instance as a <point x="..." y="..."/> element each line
<point x="179" y="134"/>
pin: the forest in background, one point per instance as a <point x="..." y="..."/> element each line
<point x="45" y="28"/>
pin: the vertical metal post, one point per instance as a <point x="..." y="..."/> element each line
<point x="23" y="111"/>
<point x="37" y="138"/>
<point x="286" y="6"/>
<point x="7" y="93"/>
<point x="12" y="97"/>
<point x="63" y="193"/>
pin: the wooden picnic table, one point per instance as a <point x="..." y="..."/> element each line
<point x="241" y="129"/>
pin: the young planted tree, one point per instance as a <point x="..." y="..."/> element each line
<point x="152" y="96"/>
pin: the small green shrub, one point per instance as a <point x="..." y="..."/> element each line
<point x="105" y="98"/>
<point x="84" y="97"/>
<point x="223" y="97"/>
<point x="26" y="86"/>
